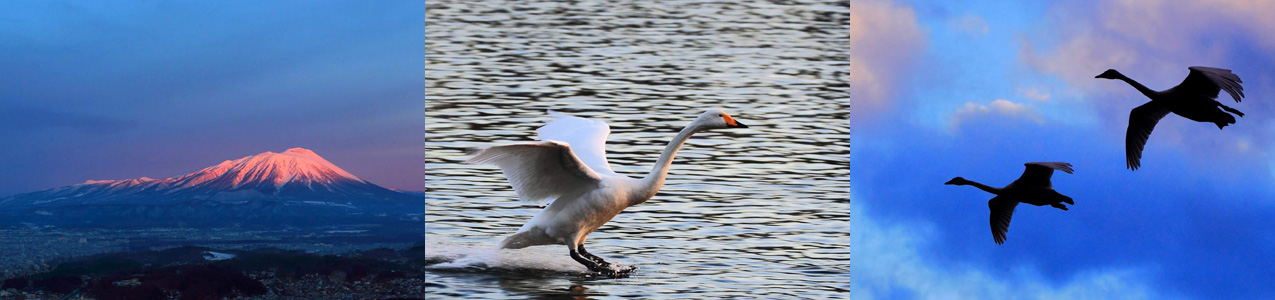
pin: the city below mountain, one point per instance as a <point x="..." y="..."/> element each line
<point x="293" y="188"/>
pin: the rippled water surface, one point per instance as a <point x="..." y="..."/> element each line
<point x="761" y="212"/>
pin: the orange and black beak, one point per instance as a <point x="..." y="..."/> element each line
<point x="731" y="123"/>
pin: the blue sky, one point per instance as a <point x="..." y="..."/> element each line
<point x="104" y="90"/>
<point x="976" y="89"/>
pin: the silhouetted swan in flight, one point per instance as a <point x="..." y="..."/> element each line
<point x="1031" y="188"/>
<point x="1193" y="99"/>
<point x="570" y="167"/>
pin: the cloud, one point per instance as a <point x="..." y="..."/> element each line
<point x="1081" y="56"/>
<point x="998" y="107"/>
<point x="888" y="265"/>
<point x="972" y="24"/>
<point x="1157" y="36"/>
<point x="885" y="39"/>
<point x="1179" y="24"/>
<point x="1034" y="93"/>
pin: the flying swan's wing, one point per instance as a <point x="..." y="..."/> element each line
<point x="539" y="171"/>
<point x="1208" y="82"/>
<point x="1038" y="173"/>
<point x="587" y="138"/>
<point x="1002" y="210"/>
<point x="1141" y="121"/>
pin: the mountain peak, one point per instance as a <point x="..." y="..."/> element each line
<point x="266" y="171"/>
<point x="277" y="169"/>
<point x="301" y="152"/>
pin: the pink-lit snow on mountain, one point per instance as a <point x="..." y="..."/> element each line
<point x="298" y="165"/>
<point x="297" y="174"/>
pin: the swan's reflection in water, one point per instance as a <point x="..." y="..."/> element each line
<point x="761" y="212"/>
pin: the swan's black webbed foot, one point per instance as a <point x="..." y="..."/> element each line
<point x="1229" y="109"/>
<point x="592" y="257"/>
<point x="597" y="265"/>
<point x="626" y="269"/>
<point x="618" y="272"/>
<point x="1234" y="111"/>
<point x="588" y="263"/>
<point x="1059" y="206"/>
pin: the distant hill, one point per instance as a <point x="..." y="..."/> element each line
<point x="206" y="273"/>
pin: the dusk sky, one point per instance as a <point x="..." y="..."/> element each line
<point x="98" y="90"/>
<point x="977" y="89"/>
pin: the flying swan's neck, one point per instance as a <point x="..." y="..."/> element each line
<point x="655" y="180"/>
<point x="985" y="187"/>
<point x="1141" y="88"/>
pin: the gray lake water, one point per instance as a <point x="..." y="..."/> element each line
<point x="761" y="212"/>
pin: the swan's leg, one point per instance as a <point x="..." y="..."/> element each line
<point x="593" y="266"/>
<point x="592" y="257"/>
<point x="606" y="266"/>
<point x="1229" y="109"/>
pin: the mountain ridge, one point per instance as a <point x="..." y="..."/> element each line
<point x="294" y="182"/>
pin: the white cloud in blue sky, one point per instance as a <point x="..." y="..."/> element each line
<point x="885" y="41"/>
<point x="998" y="107"/>
<point x="890" y="264"/>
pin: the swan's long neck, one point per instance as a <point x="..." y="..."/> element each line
<point x="655" y="180"/>
<point x="985" y="187"/>
<point x="1141" y="88"/>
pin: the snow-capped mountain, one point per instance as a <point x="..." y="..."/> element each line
<point x="296" y="180"/>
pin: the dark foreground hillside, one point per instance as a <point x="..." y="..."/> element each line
<point x="204" y="273"/>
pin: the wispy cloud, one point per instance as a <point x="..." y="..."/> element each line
<point x="970" y="23"/>
<point x="890" y="266"/>
<point x="1156" y="36"/>
<point x="1034" y="93"/>
<point x="885" y="39"/>
<point x="998" y="107"/>
<point x="1175" y="24"/>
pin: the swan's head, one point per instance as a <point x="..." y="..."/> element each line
<point x="717" y="119"/>
<point x="1109" y="74"/>
<point x="957" y="181"/>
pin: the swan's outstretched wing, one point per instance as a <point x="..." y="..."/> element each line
<point x="1038" y="173"/>
<point x="587" y="138"/>
<point x="1002" y="210"/>
<point x="1141" y="121"/>
<point x="1207" y="82"/>
<point x="539" y="171"/>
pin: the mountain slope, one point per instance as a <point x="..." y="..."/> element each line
<point x="263" y="186"/>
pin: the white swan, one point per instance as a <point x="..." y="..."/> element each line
<point x="1033" y="187"/>
<point x="1193" y="99"/>
<point x="570" y="168"/>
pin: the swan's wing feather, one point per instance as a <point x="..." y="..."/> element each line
<point x="1207" y="82"/>
<point x="587" y="138"/>
<point x="1141" y="121"/>
<point x="539" y="171"/>
<point x="1038" y="172"/>
<point x="1002" y="211"/>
